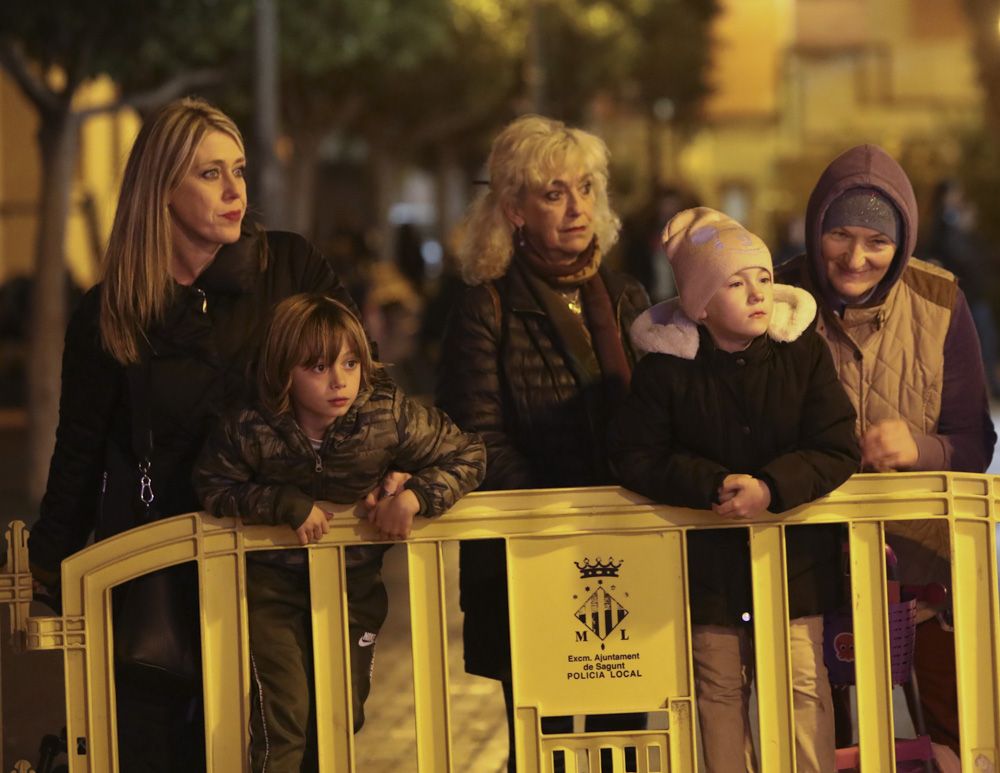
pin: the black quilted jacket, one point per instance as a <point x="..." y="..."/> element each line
<point x="202" y="352"/>
<point x="531" y="387"/>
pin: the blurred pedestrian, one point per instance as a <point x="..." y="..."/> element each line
<point x="642" y="248"/>
<point x="792" y="239"/>
<point x="409" y="257"/>
<point x="957" y="244"/>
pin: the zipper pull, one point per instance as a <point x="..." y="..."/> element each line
<point x="319" y="463"/>
<point x="104" y="482"/>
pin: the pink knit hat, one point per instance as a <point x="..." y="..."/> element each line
<point x="705" y="248"/>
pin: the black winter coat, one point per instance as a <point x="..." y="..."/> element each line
<point x="530" y="385"/>
<point x="202" y="354"/>
<point x="775" y="411"/>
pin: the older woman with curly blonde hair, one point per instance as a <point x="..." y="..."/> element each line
<point x="536" y="354"/>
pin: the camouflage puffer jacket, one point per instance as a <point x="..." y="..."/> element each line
<point x="262" y="467"/>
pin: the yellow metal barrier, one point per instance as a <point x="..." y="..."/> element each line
<point x="599" y="622"/>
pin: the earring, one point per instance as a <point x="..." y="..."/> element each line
<point x="519" y="239"/>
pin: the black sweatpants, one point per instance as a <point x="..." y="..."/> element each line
<point x="282" y="717"/>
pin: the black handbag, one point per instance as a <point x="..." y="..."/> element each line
<point x="155" y="628"/>
<point x="155" y="617"/>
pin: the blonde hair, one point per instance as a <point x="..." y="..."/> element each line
<point x="307" y="329"/>
<point x="529" y="153"/>
<point x="137" y="283"/>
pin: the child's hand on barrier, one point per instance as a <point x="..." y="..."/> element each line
<point x="393" y="515"/>
<point x="391" y="485"/>
<point x="741" y="497"/>
<point x="314" y="526"/>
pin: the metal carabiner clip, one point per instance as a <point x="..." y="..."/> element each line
<point x="146" y="484"/>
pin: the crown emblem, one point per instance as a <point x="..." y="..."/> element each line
<point x="598" y="568"/>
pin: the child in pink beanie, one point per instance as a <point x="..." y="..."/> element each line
<point x="737" y="408"/>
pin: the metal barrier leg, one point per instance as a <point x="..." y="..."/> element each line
<point x="334" y="724"/>
<point x="223" y="593"/>
<point x="430" y="657"/>
<point x="974" y="579"/>
<point x="774" y="671"/>
<point x="682" y="746"/>
<point x="528" y="731"/>
<point x="871" y="645"/>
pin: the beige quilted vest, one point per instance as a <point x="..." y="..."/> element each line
<point x="891" y="363"/>
<point x="890" y="358"/>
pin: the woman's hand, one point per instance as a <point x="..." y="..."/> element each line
<point x="888" y="446"/>
<point x="49" y="595"/>
<point x="391" y="485"/>
<point x="393" y="515"/>
<point x="741" y="497"/>
<point x="314" y="526"/>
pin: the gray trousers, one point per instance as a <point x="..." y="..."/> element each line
<point x="723" y="674"/>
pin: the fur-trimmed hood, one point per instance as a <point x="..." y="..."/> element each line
<point x="666" y="329"/>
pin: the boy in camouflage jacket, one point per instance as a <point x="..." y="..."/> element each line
<point x="329" y="425"/>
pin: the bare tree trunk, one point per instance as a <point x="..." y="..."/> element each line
<point x="301" y="202"/>
<point x="270" y="194"/>
<point x="654" y="153"/>
<point x="449" y="193"/>
<point x="58" y="141"/>
<point x="535" y="70"/>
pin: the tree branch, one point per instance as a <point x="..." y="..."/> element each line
<point x="31" y="86"/>
<point x="455" y="122"/>
<point x="76" y="71"/>
<point x="144" y="101"/>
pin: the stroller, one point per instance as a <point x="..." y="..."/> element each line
<point x="913" y="755"/>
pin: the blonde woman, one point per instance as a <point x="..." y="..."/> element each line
<point x="536" y="354"/>
<point x="153" y="353"/>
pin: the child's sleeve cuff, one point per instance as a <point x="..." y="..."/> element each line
<point x="291" y="506"/>
<point x="415" y="485"/>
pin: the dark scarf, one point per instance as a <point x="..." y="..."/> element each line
<point x="597" y="310"/>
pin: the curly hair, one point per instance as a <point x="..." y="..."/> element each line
<point x="527" y="155"/>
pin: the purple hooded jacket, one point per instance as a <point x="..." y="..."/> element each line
<point x="965" y="435"/>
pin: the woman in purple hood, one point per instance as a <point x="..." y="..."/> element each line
<point x="906" y="349"/>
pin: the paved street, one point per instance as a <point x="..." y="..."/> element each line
<point x="388" y="742"/>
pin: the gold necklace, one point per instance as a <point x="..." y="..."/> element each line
<point x="573" y="301"/>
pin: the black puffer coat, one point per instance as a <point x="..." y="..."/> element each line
<point x="530" y="385"/>
<point x="202" y="353"/>
<point x="775" y="411"/>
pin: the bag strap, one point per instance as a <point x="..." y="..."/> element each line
<point x="139" y="375"/>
